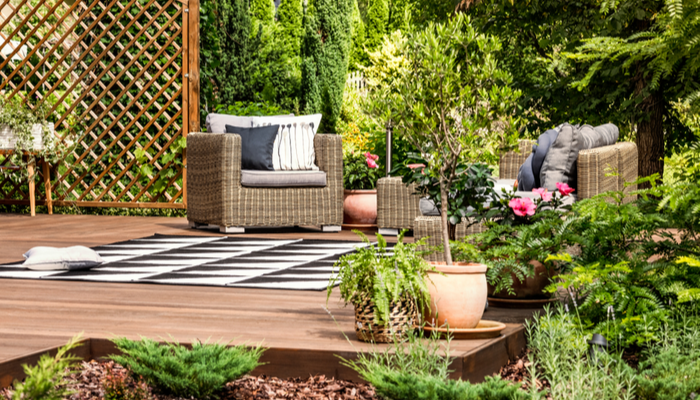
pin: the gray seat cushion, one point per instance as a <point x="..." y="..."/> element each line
<point x="281" y="179"/>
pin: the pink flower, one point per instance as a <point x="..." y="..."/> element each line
<point x="544" y="194"/>
<point x="564" y="189"/>
<point x="522" y="206"/>
<point x="371" y="163"/>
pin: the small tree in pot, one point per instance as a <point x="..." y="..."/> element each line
<point x="453" y="104"/>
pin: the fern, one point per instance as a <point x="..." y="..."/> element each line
<point x="199" y="372"/>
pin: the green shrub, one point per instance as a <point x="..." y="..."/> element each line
<point x="418" y="369"/>
<point x="199" y="372"/>
<point x="48" y="380"/>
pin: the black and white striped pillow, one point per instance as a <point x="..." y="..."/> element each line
<point x="293" y="149"/>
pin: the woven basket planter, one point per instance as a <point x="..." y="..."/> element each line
<point x="402" y="317"/>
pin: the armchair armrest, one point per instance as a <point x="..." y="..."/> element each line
<point x="214" y="173"/>
<point x="510" y="162"/>
<point x="329" y="158"/>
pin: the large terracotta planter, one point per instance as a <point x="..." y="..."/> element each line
<point x="531" y="288"/>
<point x="360" y="207"/>
<point x="458" y="296"/>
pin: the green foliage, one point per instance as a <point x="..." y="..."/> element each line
<point x="290" y="15"/>
<point x="387" y="63"/>
<point x="418" y="369"/>
<point x="20" y="117"/>
<point x="262" y="12"/>
<point x="357" y="172"/>
<point x="358" y="52"/>
<point x="325" y="54"/>
<point x="199" y="372"/>
<point x="453" y="103"/>
<point x="257" y="109"/>
<point x="559" y="355"/>
<point x="48" y="380"/>
<point x="399" y="16"/>
<point x="377" y="23"/>
<point x="631" y="265"/>
<point x="384" y="278"/>
<point x="227" y="53"/>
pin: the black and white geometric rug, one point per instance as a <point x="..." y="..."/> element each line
<point x="216" y="261"/>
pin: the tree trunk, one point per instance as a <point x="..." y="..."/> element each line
<point x="650" y="134"/>
<point x="445" y="224"/>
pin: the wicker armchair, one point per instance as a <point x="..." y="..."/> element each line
<point x="215" y="195"/>
<point x="592" y="166"/>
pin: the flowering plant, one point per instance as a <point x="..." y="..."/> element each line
<point x="508" y="209"/>
<point x="361" y="171"/>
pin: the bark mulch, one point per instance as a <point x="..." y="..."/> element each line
<point x="89" y="385"/>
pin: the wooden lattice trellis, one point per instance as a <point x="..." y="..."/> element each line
<point x="122" y="76"/>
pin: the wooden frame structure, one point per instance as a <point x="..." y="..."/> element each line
<point x="121" y="79"/>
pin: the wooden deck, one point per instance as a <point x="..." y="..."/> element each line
<point x="301" y="337"/>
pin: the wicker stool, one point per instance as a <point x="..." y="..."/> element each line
<point x="397" y="206"/>
<point x="431" y="228"/>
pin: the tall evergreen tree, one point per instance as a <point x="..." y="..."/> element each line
<point x="262" y="12"/>
<point x="399" y="16"/>
<point x="358" y="53"/>
<point x="377" y="23"/>
<point x="290" y="16"/>
<point x="325" y="54"/>
<point x="227" y="56"/>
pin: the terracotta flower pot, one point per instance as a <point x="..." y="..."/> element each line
<point x="458" y="297"/>
<point x="360" y="207"/>
<point x="531" y="287"/>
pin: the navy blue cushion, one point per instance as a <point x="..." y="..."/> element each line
<point x="256" y="146"/>
<point x="539" y="151"/>
<point x="526" y="179"/>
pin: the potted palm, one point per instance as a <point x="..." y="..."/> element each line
<point x="387" y="287"/>
<point x="454" y="105"/>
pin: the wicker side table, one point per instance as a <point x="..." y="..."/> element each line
<point x="431" y="228"/>
<point x="397" y="206"/>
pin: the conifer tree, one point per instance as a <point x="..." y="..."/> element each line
<point x="290" y="15"/>
<point x="358" y="53"/>
<point x="398" y="16"/>
<point x="377" y="23"/>
<point x="325" y="54"/>
<point x="262" y="11"/>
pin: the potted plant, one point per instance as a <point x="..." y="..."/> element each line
<point x="387" y="289"/>
<point x="521" y="234"/>
<point x="454" y="105"/>
<point x="360" y="175"/>
<point x="26" y="131"/>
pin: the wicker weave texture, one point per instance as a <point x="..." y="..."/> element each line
<point x="402" y="318"/>
<point x="595" y="169"/>
<point x="397" y="205"/>
<point x="510" y="162"/>
<point x="431" y="228"/>
<point x="219" y="199"/>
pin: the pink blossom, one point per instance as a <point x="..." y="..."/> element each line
<point x="564" y="189"/>
<point x="371" y="163"/>
<point x="522" y="206"/>
<point x="414" y="166"/>
<point x="544" y="194"/>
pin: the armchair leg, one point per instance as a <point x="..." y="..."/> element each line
<point x="231" y="229"/>
<point x="197" y="225"/>
<point x="388" y="232"/>
<point x="331" y="228"/>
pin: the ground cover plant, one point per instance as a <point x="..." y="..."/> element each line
<point x="199" y="372"/>
<point x="418" y="369"/>
<point x="49" y="378"/>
